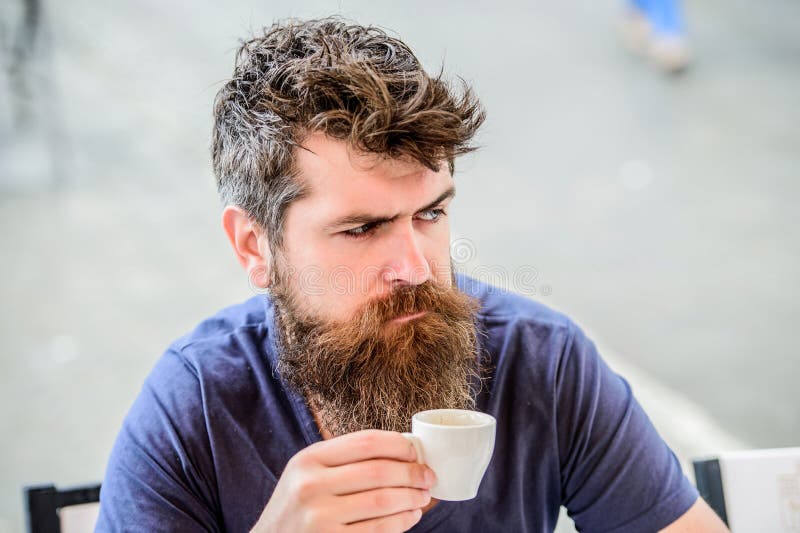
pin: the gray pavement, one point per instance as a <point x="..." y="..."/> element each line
<point x="657" y="211"/>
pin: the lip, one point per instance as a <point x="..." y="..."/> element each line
<point x="406" y="318"/>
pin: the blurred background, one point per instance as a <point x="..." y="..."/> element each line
<point x="657" y="210"/>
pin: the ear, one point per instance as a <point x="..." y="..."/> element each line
<point x="249" y="243"/>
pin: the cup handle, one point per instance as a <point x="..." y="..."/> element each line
<point x="417" y="446"/>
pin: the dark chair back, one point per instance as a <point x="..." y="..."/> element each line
<point x="44" y="502"/>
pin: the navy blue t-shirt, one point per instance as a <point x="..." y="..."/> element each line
<point x="213" y="428"/>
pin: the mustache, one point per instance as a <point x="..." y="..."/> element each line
<point x="428" y="297"/>
<point x="442" y="304"/>
<point x="450" y="314"/>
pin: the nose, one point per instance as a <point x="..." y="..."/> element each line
<point x="407" y="263"/>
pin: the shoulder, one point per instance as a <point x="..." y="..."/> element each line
<point x="223" y="358"/>
<point x="226" y="322"/>
<point x="169" y="435"/>
<point x="499" y="303"/>
<point x="508" y="314"/>
<point x="197" y="373"/>
<point x="234" y="335"/>
<point x="528" y="343"/>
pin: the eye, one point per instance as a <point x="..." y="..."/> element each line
<point x="431" y="215"/>
<point x="361" y="231"/>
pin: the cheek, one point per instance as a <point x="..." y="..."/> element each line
<point x="331" y="284"/>
<point x="438" y="253"/>
<point x="441" y="269"/>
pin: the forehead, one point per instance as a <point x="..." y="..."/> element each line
<point x="340" y="180"/>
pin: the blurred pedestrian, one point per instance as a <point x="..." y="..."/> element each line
<point x="657" y="30"/>
<point x="20" y="47"/>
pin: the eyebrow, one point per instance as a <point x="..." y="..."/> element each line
<point x="359" y="219"/>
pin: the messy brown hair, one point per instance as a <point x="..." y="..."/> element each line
<point x="351" y="82"/>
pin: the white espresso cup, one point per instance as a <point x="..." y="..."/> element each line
<point x="457" y="445"/>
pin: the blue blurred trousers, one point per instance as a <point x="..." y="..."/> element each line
<point x="664" y="16"/>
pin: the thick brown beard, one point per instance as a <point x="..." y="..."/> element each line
<point x="370" y="373"/>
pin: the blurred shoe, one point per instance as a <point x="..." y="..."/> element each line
<point x="656" y="29"/>
<point x="670" y="52"/>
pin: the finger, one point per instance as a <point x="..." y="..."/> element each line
<point x="380" y="502"/>
<point x="364" y="445"/>
<point x="378" y="473"/>
<point x="402" y="521"/>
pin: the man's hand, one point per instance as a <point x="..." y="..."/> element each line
<point x="364" y="481"/>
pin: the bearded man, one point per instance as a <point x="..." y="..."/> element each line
<point x="334" y="154"/>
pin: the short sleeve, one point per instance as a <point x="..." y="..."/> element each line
<point x="617" y="473"/>
<point x="160" y="474"/>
